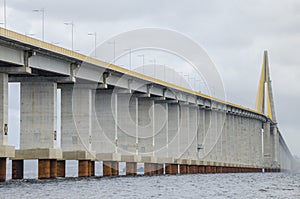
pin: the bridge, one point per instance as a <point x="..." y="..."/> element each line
<point x="124" y="116"/>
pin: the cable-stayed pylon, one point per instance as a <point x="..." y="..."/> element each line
<point x="264" y="98"/>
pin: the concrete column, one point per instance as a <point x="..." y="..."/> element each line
<point x="275" y="149"/>
<point x="2" y="169"/>
<point x="17" y="169"/>
<point x="131" y="168"/>
<point x="76" y="118"/>
<point x="236" y="139"/>
<point x="83" y="168"/>
<point x="61" y="168"/>
<point x="3" y="109"/>
<point x="146" y="126"/>
<point x="193" y="123"/>
<point x="228" y="137"/>
<point x="219" y="136"/>
<point x="173" y="130"/>
<point x="44" y="167"/>
<point x="105" y="137"/>
<point x="231" y="148"/>
<point x="224" y="137"/>
<point x="38" y="115"/>
<point x="5" y="150"/>
<point x="212" y="136"/>
<point x="161" y="129"/>
<point x="245" y="140"/>
<point x="184" y="136"/>
<point x="127" y="124"/>
<point x="258" y="135"/>
<point x="267" y="145"/>
<point x="201" y="132"/>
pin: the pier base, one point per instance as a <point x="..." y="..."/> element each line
<point x="92" y="168"/>
<point x="201" y="169"/>
<point x="110" y="168"/>
<point x="192" y="169"/>
<point x="17" y="169"/>
<point x="53" y="168"/>
<point x="208" y="169"/>
<point x="159" y="169"/>
<point x="83" y="168"/>
<point x="44" y="166"/>
<point x="172" y="169"/>
<point x="61" y="168"/>
<point x="219" y="169"/>
<point x="131" y="168"/>
<point x="183" y="169"/>
<point x="148" y="169"/>
<point x="2" y="169"/>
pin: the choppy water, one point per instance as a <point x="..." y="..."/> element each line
<point x="245" y="185"/>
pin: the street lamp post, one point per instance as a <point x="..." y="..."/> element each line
<point x="114" y="43"/>
<point x="143" y="56"/>
<point x="72" y="25"/>
<point x="43" y="22"/>
<point x="154" y="66"/>
<point x="130" y="50"/>
<point x="4" y="13"/>
<point x="95" y="42"/>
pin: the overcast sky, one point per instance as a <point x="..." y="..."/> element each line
<point x="234" y="34"/>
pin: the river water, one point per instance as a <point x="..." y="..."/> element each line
<point x="244" y="185"/>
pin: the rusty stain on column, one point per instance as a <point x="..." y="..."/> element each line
<point x="17" y="169"/>
<point x="183" y="169"/>
<point x="131" y="168"/>
<point x="159" y="169"/>
<point x="201" y="169"/>
<point x="147" y="168"/>
<point x="171" y="169"/>
<point x="2" y="169"/>
<point x="83" y="168"/>
<point x="92" y="168"/>
<point x="44" y="166"/>
<point x="107" y="168"/>
<point x="61" y="168"/>
<point x="53" y="168"/>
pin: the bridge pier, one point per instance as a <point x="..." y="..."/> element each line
<point x="61" y="168"/>
<point x="149" y="169"/>
<point x="2" y="169"/>
<point x="183" y="168"/>
<point x="172" y="169"/>
<point x="6" y="151"/>
<point x="37" y="129"/>
<point x="17" y="169"/>
<point x="110" y="168"/>
<point x="131" y="168"/>
<point x="76" y="126"/>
